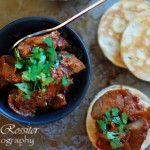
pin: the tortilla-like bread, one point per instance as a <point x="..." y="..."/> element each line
<point x="90" y="122"/>
<point x="113" y="24"/>
<point x="135" y="46"/>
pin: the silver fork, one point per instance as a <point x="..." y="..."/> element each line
<point x="59" y="26"/>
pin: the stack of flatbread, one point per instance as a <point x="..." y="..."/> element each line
<point x="124" y="36"/>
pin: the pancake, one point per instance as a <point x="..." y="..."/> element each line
<point x="90" y="122"/>
<point x="113" y="24"/>
<point x="135" y="46"/>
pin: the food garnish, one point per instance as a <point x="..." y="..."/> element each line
<point x="65" y="81"/>
<point x="114" y="120"/>
<point x="37" y="66"/>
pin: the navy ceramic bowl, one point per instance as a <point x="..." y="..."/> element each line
<point x="22" y="27"/>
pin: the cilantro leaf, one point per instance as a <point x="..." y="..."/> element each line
<point x="26" y="88"/>
<point x="19" y="65"/>
<point x="102" y="125"/>
<point x="65" y="81"/>
<point x="51" y="53"/>
<point x="124" y="117"/>
<point x="25" y="76"/>
<point x="47" y="81"/>
<point x="19" y="62"/>
<point x="26" y="96"/>
<point x="115" y="143"/>
<point x="110" y="135"/>
<point x="16" y="53"/>
<point x="116" y="120"/>
<point x="68" y="56"/>
<point x="57" y="62"/>
<point x="121" y="127"/>
<point x="49" y="42"/>
<point x="7" y="79"/>
<point x="107" y="113"/>
<point x="115" y="111"/>
<point x="46" y="69"/>
<point x="127" y="131"/>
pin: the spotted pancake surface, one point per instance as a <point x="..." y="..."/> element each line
<point x="135" y="46"/>
<point x="113" y="24"/>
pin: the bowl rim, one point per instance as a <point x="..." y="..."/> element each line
<point x="46" y="121"/>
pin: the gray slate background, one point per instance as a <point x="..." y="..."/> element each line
<point x="69" y="133"/>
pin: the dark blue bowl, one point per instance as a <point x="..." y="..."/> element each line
<point x="22" y="27"/>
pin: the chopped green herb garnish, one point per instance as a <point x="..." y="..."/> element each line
<point x="121" y="127"/>
<point x="26" y="88"/>
<point x="116" y="120"/>
<point x="47" y="81"/>
<point x="124" y="117"/>
<point x="8" y="79"/>
<point x="65" y="81"/>
<point x="107" y="113"/>
<point x="57" y="63"/>
<point x="20" y="61"/>
<point x="115" y="112"/>
<point x="58" y="60"/>
<point x="49" y="42"/>
<point x="102" y="124"/>
<point x="37" y="67"/>
<point x="119" y="122"/>
<point x="115" y="143"/>
<point x="110" y="135"/>
<point x="19" y="65"/>
<point x="127" y="131"/>
<point x="68" y="56"/>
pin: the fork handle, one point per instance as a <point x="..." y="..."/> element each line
<point x="75" y="16"/>
<point x="59" y="26"/>
<point x="69" y="20"/>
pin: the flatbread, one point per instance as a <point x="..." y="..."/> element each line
<point x="90" y="122"/>
<point x="113" y="24"/>
<point x="135" y="46"/>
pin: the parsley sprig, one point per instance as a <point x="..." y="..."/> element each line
<point x="36" y="68"/>
<point x="119" y="122"/>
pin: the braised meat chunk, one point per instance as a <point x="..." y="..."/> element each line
<point x="107" y="102"/>
<point x="26" y="46"/>
<point x="121" y="99"/>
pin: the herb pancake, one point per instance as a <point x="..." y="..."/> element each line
<point x="113" y="24"/>
<point x="135" y="46"/>
<point x="91" y="123"/>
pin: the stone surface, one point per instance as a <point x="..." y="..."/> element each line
<point x="68" y="133"/>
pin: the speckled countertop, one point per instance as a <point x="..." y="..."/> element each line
<point x="68" y="133"/>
